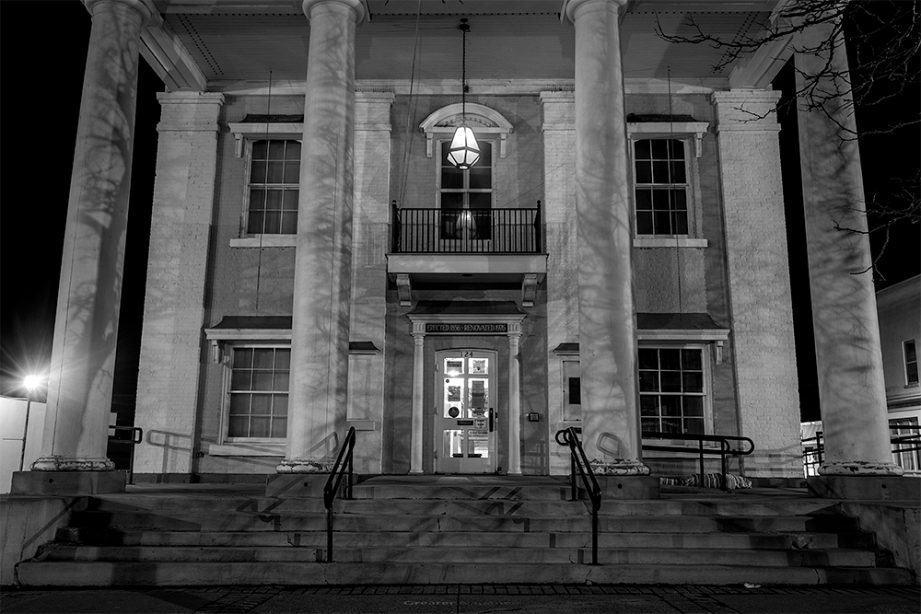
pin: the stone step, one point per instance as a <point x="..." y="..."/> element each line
<point x="534" y="507"/>
<point x="135" y="573"/>
<point x="191" y="520"/>
<point x="466" y="554"/>
<point x="761" y="541"/>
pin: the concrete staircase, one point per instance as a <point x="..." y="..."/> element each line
<point x="455" y="530"/>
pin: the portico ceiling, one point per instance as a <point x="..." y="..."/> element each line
<point x="236" y="41"/>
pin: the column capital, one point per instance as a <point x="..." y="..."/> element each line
<point x="746" y="110"/>
<point x="189" y="111"/>
<point x="571" y="7"/>
<point x="144" y="8"/>
<point x="357" y="6"/>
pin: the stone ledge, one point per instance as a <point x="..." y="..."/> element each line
<point x="68" y="482"/>
<point x="628" y="487"/>
<point x="866" y="488"/>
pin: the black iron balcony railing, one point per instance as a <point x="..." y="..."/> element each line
<point x="466" y="231"/>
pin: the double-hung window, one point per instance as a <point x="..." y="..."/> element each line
<point x="274" y="174"/>
<point x="258" y="392"/>
<point x="673" y="391"/>
<point x="661" y="186"/>
<point x="910" y="355"/>
<point x="465" y="197"/>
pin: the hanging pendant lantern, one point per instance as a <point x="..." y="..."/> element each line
<point x="464" y="150"/>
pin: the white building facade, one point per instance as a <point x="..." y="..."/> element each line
<point x="616" y="260"/>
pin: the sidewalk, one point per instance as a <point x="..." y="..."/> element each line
<point x="459" y="599"/>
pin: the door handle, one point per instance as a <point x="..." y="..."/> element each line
<point x="492" y="420"/>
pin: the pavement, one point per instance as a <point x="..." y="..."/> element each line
<point x="465" y="599"/>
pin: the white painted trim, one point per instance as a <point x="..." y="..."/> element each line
<point x="444" y="121"/>
<point x="671" y="129"/>
<point x="645" y="242"/>
<point x="263" y="130"/>
<point x="248" y="334"/>
<point x="265" y="241"/>
<point x="683" y="335"/>
<point x="433" y="87"/>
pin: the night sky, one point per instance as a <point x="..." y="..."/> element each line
<point x="38" y="115"/>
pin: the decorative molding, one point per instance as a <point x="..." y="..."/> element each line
<point x="257" y="130"/>
<point x="247" y="334"/>
<point x="404" y="289"/>
<point x="698" y="129"/>
<point x="481" y="118"/>
<point x="529" y="284"/>
<point x="481" y="87"/>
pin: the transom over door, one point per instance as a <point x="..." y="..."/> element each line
<point x="465" y="419"/>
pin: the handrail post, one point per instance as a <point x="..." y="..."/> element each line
<point x="700" y="448"/>
<point x="329" y="535"/>
<point x="572" y="472"/>
<point x="724" y="448"/>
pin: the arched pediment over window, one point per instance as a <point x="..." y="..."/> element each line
<point x="482" y="119"/>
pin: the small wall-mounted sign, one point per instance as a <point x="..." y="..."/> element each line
<point x="466" y="328"/>
<point x="533" y="416"/>
<point x="465" y="423"/>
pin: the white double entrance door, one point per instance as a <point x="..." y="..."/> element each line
<point x="465" y="416"/>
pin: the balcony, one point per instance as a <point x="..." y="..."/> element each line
<point x="466" y="231"/>
<point x="470" y="246"/>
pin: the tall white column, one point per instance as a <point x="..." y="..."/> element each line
<point x="607" y="340"/>
<point x="89" y="295"/>
<point x="418" y="399"/>
<point x="764" y="349"/>
<point x="317" y="402"/>
<point x="514" y="400"/>
<point x="177" y="268"/>
<point x="852" y="392"/>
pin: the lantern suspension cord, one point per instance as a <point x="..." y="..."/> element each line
<point x="671" y="211"/>
<point x="268" y="118"/>
<point x="410" y="108"/>
<point x="464" y="27"/>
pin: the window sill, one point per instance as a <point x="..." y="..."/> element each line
<point x="644" y="242"/>
<point x="255" y="447"/>
<point x="265" y="241"/>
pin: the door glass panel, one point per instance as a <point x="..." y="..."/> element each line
<point x="453" y="443"/>
<point x="454" y="397"/>
<point x="454" y="366"/>
<point x="479" y="366"/>
<point x="478" y="444"/>
<point x="479" y="397"/>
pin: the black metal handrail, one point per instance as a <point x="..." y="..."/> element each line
<point x="466" y="231"/>
<point x="342" y="467"/>
<point x="724" y="450"/>
<point x="814" y="447"/>
<point x="579" y="462"/>
<point x="136" y="438"/>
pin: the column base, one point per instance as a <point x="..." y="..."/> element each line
<point x="68" y="482"/>
<point x="619" y="466"/>
<point x="59" y="463"/>
<point x="303" y="465"/>
<point x="861" y="469"/>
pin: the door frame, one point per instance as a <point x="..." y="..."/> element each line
<point x="487" y="422"/>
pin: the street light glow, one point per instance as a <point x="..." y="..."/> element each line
<point x="32" y="382"/>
